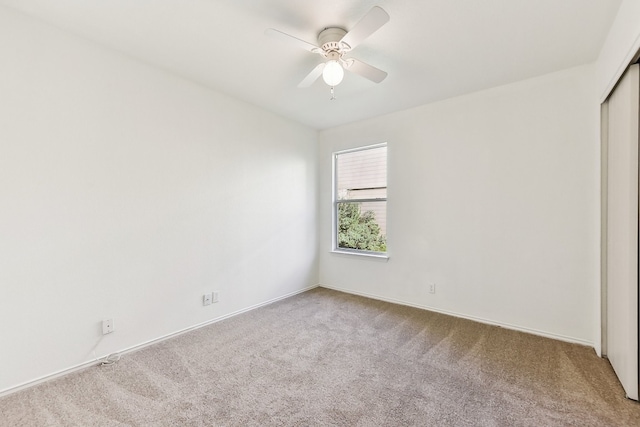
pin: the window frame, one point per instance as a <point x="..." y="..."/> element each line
<point x="335" y="203"/>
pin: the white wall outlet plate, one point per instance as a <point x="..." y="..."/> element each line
<point x="215" y="297"/>
<point x="107" y="326"/>
<point x="432" y="288"/>
<point x="206" y="299"/>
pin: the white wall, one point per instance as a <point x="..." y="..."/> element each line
<point x="493" y="196"/>
<point x="127" y="193"/>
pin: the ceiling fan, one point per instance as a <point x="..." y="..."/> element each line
<point x="333" y="44"/>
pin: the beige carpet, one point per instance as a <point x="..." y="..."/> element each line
<point x="328" y="358"/>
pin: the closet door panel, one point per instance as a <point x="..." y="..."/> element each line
<point x="622" y="231"/>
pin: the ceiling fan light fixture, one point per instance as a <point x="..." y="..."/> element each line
<point x="332" y="73"/>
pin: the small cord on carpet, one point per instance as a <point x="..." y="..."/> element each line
<point x="110" y="359"/>
<point x="107" y="361"/>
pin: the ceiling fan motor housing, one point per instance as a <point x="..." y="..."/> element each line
<point x="329" y="39"/>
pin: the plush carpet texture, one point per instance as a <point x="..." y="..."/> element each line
<point x="325" y="358"/>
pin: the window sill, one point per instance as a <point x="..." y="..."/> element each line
<point x="361" y="254"/>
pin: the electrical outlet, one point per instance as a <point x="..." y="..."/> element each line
<point x="432" y="288"/>
<point x="107" y="326"/>
<point x="206" y="299"/>
<point x="215" y="297"/>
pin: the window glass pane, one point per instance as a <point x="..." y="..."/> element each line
<point x="362" y="226"/>
<point x="362" y="174"/>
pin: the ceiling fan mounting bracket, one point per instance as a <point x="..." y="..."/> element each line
<point x="329" y="40"/>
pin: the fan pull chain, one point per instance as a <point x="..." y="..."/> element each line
<point x="333" y="95"/>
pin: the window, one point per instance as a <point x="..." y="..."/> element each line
<point x="360" y="200"/>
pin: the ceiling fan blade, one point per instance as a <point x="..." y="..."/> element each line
<point x="365" y="70"/>
<point x="312" y="76"/>
<point x="292" y="40"/>
<point x="368" y="25"/>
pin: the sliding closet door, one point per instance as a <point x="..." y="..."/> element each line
<point x="622" y="231"/>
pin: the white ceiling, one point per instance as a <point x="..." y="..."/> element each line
<point x="432" y="49"/>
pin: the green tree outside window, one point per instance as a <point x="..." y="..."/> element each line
<point x="358" y="230"/>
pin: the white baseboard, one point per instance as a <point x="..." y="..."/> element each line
<point x="465" y="316"/>
<point x="88" y="364"/>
